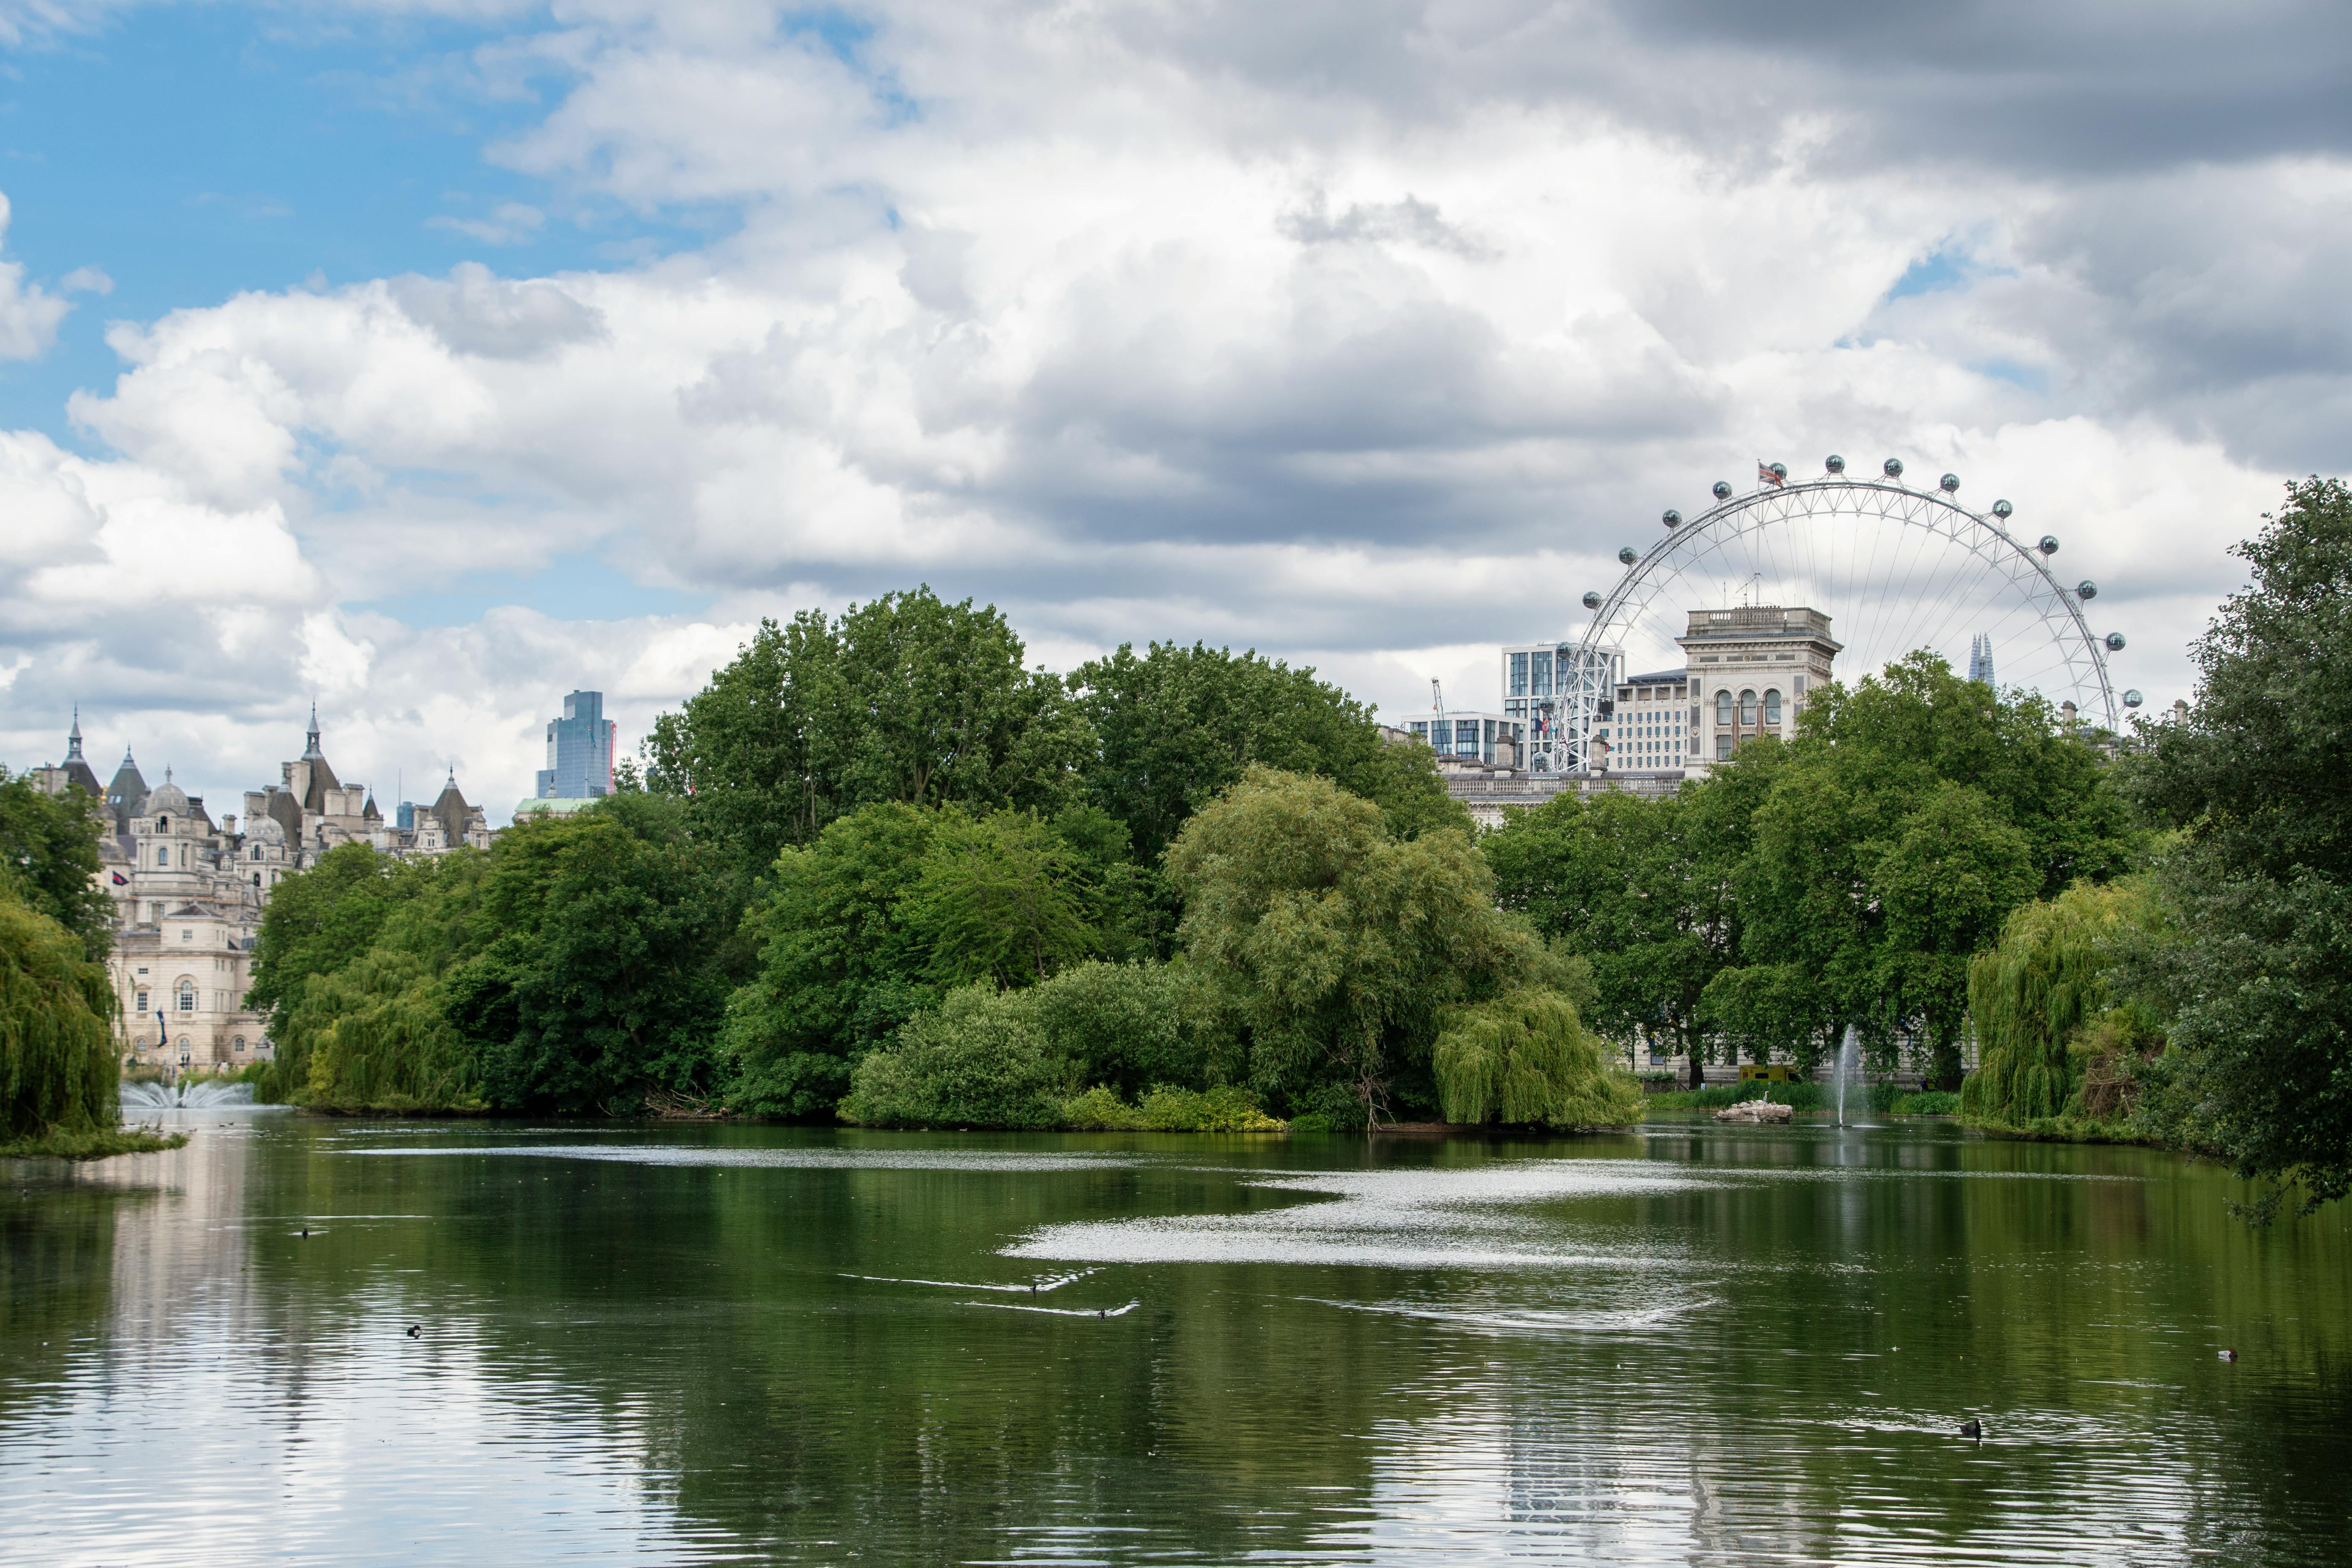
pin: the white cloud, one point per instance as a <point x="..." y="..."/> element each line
<point x="1361" y="336"/>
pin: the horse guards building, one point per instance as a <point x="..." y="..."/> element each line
<point x="188" y="891"/>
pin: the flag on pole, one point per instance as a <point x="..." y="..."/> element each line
<point x="119" y="880"/>
<point x="1766" y="475"/>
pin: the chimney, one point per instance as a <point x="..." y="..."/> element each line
<point x="2179" y="710"/>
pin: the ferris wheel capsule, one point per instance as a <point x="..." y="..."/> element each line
<point x="1628" y="556"/>
<point x="1722" y="489"/>
<point x="2001" y="509"/>
<point x="1835" y="463"/>
<point x="1780" y="471"/>
<point x="1949" y="484"/>
<point x="2114" y="641"/>
<point x="2088" y="589"/>
<point x="1892" y="467"/>
<point x="2049" y="545"/>
<point x="2131" y="698"/>
<point x="1592" y="600"/>
<point x="1671" y="518"/>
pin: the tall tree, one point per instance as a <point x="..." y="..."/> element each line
<point x="1175" y="726"/>
<point x="48" y="858"/>
<point x="906" y="699"/>
<point x="1336" y="947"/>
<point x="2260" y="991"/>
<point x="58" y="1066"/>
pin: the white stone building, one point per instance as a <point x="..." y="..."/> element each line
<point x="1751" y="670"/>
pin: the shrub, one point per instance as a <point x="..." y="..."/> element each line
<point x="1930" y="1102"/>
<point x="1223" y="1109"/>
<point x="978" y="1061"/>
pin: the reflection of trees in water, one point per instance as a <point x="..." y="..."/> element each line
<point x="57" y="1249"/>
<point x="701" y="1314"/>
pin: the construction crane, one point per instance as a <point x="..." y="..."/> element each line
<point x="1441" y="738"/>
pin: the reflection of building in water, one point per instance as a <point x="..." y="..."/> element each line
<point x="188" y="891"/>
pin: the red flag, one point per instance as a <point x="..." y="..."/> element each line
<point x="1764" y="475"/>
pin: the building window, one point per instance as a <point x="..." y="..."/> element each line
<point x="163" y="857"/>
<point x="1723" y="707"/>
<point x="1519" y="675"/>
<point x="1797" y="685"/>
<point x="239" y="1045"/>
<point x="256" y="878"/>
<point x="142" y="1009"/>
<point x="162" y="824"/>
<point x="187" y="996"/>
<point x="1723" y="748"/>
<point x="1771" y="706"/>
<point x="1747" y="710"/>
<point x="256" y="851"/>
<point x="187" y="935"/>
<point x="1540" y="674"/>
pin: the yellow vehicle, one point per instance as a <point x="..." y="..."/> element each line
<point x="1776" y="1072"/>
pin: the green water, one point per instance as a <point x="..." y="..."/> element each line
<point x="743" y="1344"/>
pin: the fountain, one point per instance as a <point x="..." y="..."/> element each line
<point x="201" y="1094"/>
<point x="1849" y="1068"/>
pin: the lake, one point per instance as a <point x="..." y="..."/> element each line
<point x="533" y="1343"/>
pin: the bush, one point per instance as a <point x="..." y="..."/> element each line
<point x="979" y="1062"/>
<point x="1223" y="1109"/>
<point x="1931" y="1102"/>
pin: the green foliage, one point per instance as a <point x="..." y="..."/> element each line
<point x="1799" y="1095"/>
<point x="977" y="1060"/>
<point x="380" y="1039"/>
<point x="1177" y="726"/>
<point x="892" y="906"/>
<point x="49" y="859"/>
<point x="1930" y="1102"/>
<point x="57" y="1064"/>
<point x="317" y="920"/>
<point x="905" y="700"/>
<point x="1332" y="949"/>
<point x="1524" y="1059"/>
<point x="1904" y="823"/>
<point x="1122" y="1026"/>
<point x="1641" y="888"/>
<point x="1168" y="1109"/>
<point x="604" y="965"/>
<point x="2031" y="997"/>
<point x="2259" y="996"/>
<point x="60" y="1145"/>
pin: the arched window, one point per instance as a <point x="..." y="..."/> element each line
<point x="187" y="996"/>
<point x="1747" y="709"/>
<point x="256" y="878"/>
<point x="256" y="851"/>
<point x="163" y="856"/>
<point x="162" y="824"/>
<point x="239" y="1044"/>
<point x="1723" y="707"/>
<point x="1772" y="708"/>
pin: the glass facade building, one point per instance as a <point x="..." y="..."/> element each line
<point x="579" y="751"/>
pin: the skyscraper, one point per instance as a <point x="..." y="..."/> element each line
<point x="579" y="751"/>
<point x="1980" y="658"/>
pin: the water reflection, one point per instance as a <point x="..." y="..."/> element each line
<point x="1703" y="1343"/>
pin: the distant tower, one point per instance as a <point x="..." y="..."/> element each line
<point x="1980" y="658"/>
<point x="579" y="751"/>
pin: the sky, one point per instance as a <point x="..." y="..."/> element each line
<point x="429" y="359"/>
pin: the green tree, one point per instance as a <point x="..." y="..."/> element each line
<point x="1176" y="726"/>
<point x="2036" y="995"/>
<point x="606" y="963"/>
<point x="57" y="1063"/>
<point x="976" y="1060"/>
<point x="1334" y="947"/>
<point x="1525" y="1059"/>
<point x="317" y="920"/>
<point x="2259" y="992"/>
<point x="905" y="700"/>
<point x="998" y="899"/>
<point x="1906" y="820"/>
<point x="49" y="859"/>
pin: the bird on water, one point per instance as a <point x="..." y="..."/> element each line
<point x="1971" y="1427"/>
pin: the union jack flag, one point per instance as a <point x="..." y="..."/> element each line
<point x="1766" y="475"/>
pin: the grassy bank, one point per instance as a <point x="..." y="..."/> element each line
<point x="59" y="1144"/>
<point x="1882" y="1099"/>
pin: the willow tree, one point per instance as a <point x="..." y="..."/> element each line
<point x="2035" y="995"/>
<point x="1525" y="1059"/>
<point x="57" y="1068"/>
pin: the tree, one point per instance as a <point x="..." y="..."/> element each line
<point x="1899" y="827"/>
<point x="606" y="960"/>
<point x="58" y="1065"/>
<point x="905" y="700"/>
<point x="317" y="920"/>
<point x="2036" y="995"/>
<point x="1176" y="726"/>
<point x="1334" y="947"/>
<point x="2260" y="990"/>
<point x="49" y="859"/>
<point x="1642" y="888"/>
<point x="1525" y="1059"/>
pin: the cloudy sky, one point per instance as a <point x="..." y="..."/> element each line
<point x="431" y="358"/>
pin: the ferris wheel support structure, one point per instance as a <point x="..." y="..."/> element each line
<point x="2022" y="568"/>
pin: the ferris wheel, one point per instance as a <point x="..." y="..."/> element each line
<point x="1895" y="569"/>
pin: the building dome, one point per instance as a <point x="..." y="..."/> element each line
<point x="169" y="799"/>
<point x="267" y="830"/>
